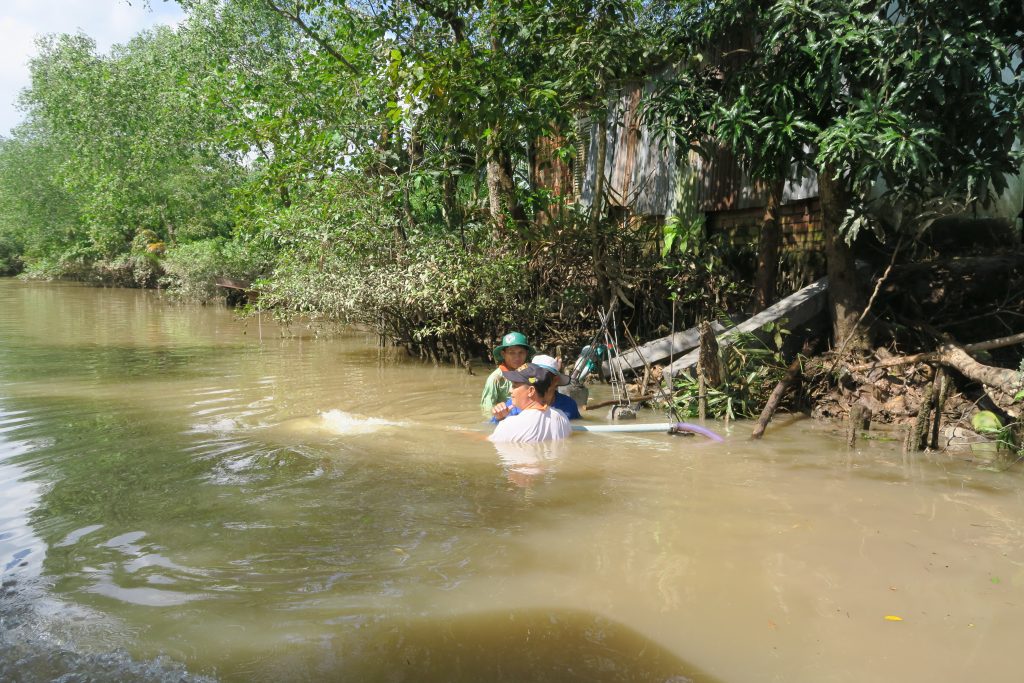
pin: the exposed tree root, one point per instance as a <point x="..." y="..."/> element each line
<point x="1002" y="383"/>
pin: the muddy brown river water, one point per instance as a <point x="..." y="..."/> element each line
<point x="189" y="496"/>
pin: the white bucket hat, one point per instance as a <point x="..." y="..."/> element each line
<point x="549" y="363"/>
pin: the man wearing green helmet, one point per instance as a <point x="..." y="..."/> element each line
<point x="512" y="352"/>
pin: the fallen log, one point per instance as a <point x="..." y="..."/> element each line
<point x="659" y="350"/>
<point x="238" y="291"/>
<point x="798" y="309"/>
<point x="956" y="268"/>
<point x="229" y="283"/>
<point x="1001" y="379"/>
<point x="935" y="356"/>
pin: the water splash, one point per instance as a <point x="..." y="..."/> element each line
<point x="224" y="425"/>
<point x="340" y="422"/>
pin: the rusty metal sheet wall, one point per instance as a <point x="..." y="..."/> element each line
<point x="655" y="172"/>
<point x="721" y="183"/>
<point x="620" y="167"/>
<point x="724" y="185"/>
<point x="641" y="170"/>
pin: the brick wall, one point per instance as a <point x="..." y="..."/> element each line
<point x="801" y="225"/>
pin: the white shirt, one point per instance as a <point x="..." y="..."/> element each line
<point x="531" y="426"/>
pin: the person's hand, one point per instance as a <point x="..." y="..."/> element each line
<point x="500" y="411"/>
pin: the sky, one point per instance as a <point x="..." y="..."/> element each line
<point x="108" y="22"/>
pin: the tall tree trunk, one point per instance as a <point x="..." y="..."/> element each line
<point x="500" y="186"/>
<point x="495" y="188"/>
<point x="846" y="299"/>
<point x="597" y="211"/>
<point x="579" y="170"/>
<point x="412" y="149"/>
<point x="501" y="190"/>
<point x="768" y="247"/>
<point x="449" y="211"/>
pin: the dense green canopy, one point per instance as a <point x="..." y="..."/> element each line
<point x="389" y="163"/>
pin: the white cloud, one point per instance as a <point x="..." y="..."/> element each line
<point x="106" y="21"/>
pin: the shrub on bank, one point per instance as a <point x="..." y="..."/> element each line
<point x="127" y="266"/>
<point x="191" y="269"/>
<point x="10" y="255"/>
<point x="435" y="299"/>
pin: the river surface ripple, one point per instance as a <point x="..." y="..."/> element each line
<point x="189" y="496"/>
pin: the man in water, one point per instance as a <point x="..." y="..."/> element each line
<point x="536" y="420"/>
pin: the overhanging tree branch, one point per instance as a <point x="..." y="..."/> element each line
<point x="317" y="38"/>
<point x="454" y="21"/>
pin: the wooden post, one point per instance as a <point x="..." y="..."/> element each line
<point x="702" y="395"/>
<point x="708" y="361"/>
<point x="860" y="420"/>
<point x="917" y="439"/>
<point x="941" y="394"/>
<point x="709" y="371"/>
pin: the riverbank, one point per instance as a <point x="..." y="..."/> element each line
<point x="916" y="307"/>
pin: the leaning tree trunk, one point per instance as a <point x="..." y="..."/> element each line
<point x="768" y="247"/>
<point x="846" y="300"/>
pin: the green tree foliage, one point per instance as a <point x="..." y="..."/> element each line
<point x="394" y="143"/>
<point x="922" y="96"/>
<point x="115" y="144"/>
<point x="38" y="217"/>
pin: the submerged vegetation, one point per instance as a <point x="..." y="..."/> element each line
<point x="426" y="169"/>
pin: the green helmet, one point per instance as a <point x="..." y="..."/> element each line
<point x="512" y="339"/>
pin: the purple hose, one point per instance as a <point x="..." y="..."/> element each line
<point x="697" y="429"/>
